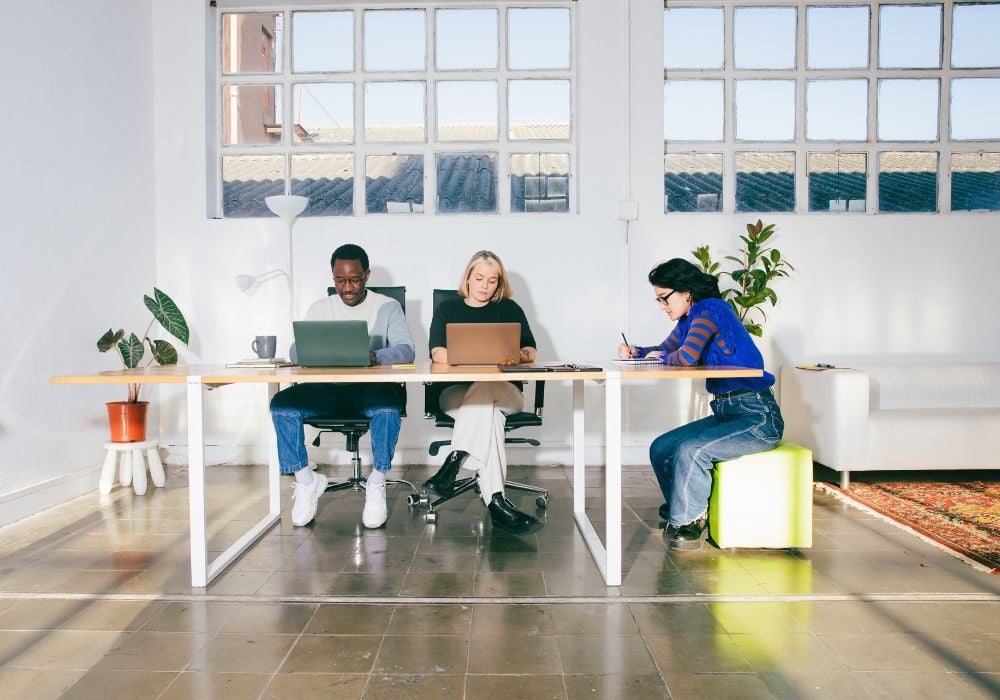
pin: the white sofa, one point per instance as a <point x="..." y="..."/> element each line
<point x="895" y="416"/>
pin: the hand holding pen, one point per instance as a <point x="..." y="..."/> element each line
<point x="625" y="350"/>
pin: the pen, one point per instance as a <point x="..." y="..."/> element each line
<point x="624" y="338"/>
<point x="627" y="346"/>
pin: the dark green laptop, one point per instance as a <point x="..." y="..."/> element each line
<point x="332" y="343"/>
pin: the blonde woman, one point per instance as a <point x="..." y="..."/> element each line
<point x="480" y="408"/>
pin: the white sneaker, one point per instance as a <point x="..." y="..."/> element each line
<point x="305" y="499"/>
<point x="375" y="513"/>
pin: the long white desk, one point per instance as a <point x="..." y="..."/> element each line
<point x="607" y="555"/>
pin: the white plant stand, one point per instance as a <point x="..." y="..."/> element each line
<point x="132" y="465"/>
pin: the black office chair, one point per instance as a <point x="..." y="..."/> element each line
<point x="523" y="419"/>
<point x="354" y="427"/>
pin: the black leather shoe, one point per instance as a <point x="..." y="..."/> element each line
<point x="443" y="483"/>
<point x="507" y="518"/>
<point x="687" y="537"/>
<point x="665" y="511"/>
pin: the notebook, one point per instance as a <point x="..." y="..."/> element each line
<point x="482" y="343"/>
<point x="331" y="343"/>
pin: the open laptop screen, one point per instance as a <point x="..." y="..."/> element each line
<point x="332" y="343"/>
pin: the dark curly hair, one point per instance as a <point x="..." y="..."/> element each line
<point x="350" y="251"/>
<point x="682" y="276"/>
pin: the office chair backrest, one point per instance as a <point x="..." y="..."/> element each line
<point x="443" y="295"/>
<point x="397" y="293"/>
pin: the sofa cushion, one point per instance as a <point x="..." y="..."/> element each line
<point x="960" y="385"/>
<point x="954" y="438"/>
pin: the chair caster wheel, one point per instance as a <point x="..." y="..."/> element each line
<point x="413" y="500"/>
<point x="542" y="501"/>
<point x="431" y="518"/>
<point x="476" y="489"/>
<point x="423" y="500"/>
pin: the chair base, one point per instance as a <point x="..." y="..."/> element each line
<point x="472" y="483"/>
<point x="357" y="483"/>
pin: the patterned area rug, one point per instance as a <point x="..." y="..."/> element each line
<point x="962" y="517"/>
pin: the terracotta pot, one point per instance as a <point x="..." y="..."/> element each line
<point x="127" y="421"/>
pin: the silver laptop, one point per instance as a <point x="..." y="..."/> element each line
<point x="332" y="343"/>
<point x="483" y="343"/>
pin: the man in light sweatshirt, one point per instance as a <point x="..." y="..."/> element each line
<point x="391" y="343"/>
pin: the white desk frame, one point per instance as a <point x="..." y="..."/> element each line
<point x="607" y="555"/>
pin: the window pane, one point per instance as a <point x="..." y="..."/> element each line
<point x="539" y="109"/>
<point x="327" y="180"/>
<point x="765" y="182"/>
<point x="246" y="180"/>
<point x="975" y="108"/>
<point x="251" y="42"/>
<point x="394" y="111"/>
<point x="837" y="181"/>
<point x="538" y="38"/>
<point x="539" y="182"/>
<point x="394" y="184"/>
<point x="693" y="110"/>
<point x="908" y="110"/>
<point x="693" y="37"/>
<point x="975" y="181"/>
<point x="395" y="40"/>
<point x="837" y="37"/>
<point x="324" y="113"/>
<point x="692" y="182"/>
<point x="907" y="181"/>
<point x="909" y="36"/>
<point x="466" y="182"/>
<point x="466" y="39"/>
<point x="251" y="114"/>
<point x="765" y="110"/>
<point x="764" y="37"/>
<point x="837" y="110"/>
<point x="322" y="41"/>
<point x="467" y="111"/>
<point x="974" y="36"/>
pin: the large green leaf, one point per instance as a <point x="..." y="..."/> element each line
<point x="132" y="351"/>
<point x="109" y="339"/>
<point x="163" y="352"/>
<point x="165" y="311"/>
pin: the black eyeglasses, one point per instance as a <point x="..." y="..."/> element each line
<point x="665" y="299"/>
<point x="347" y="281"/>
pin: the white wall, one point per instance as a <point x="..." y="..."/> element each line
<point x="76" y="196"/>
<point x="901" y="285"/>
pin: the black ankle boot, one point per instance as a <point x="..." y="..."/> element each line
<point x="687" y="537"/>
<point x="507" y="518"/>
<point x="443" y="483"/>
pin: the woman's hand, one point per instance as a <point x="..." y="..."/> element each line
<point x="627" y="351"/>
<point x="655" y="353"/>
<point x="439" y="355"/>
<point x="528" y="355"/>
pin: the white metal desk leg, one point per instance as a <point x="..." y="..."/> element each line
<point x="579" y="450"/>
<point x="613" y="476"/>
<point x="196" y="482"/>
<point x="273" y="470"/>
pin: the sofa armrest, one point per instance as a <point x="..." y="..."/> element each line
<point x="827" y="411"/>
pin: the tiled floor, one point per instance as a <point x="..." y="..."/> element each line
<point x="95" y="601"/>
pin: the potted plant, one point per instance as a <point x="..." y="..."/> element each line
<point x="757" y="267"/>
<point x="128" y="418"/>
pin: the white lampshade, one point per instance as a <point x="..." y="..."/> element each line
<point x="287" y="206"/>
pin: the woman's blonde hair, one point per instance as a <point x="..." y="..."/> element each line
<point x="503" y="290"/>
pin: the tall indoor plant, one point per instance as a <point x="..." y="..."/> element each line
<point x="128" y="418"/>
<point x="757" y="268"/>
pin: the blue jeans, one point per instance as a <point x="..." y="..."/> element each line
<point x="381" y="403"/>
<point x="682" y="459"/>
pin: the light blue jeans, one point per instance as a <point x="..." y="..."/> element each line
<point x="682" y="459"/>
<point x="381" y="403"/>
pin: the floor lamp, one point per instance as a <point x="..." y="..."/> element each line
<point x="288" y="207"/>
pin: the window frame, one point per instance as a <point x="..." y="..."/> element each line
<point x="430" y="148"/>
<point x="944" y="146"/>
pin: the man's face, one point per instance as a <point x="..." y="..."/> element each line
<point x="350" y="281"/>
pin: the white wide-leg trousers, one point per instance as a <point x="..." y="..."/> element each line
<point x="479" y="410"/>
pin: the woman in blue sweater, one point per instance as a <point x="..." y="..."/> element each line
<point x="745" y="417"/>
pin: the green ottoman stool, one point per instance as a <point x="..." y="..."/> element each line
<point x="763" y="500"/>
